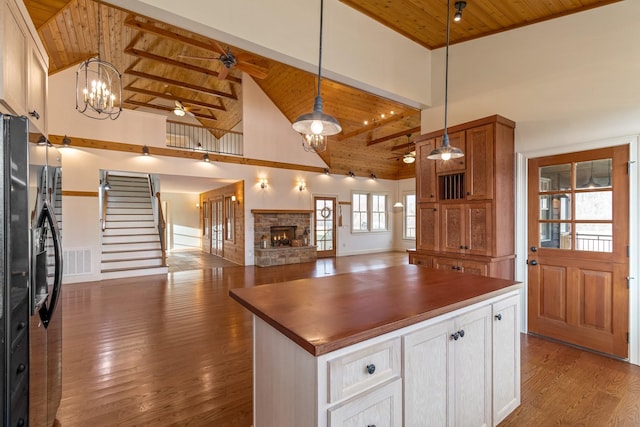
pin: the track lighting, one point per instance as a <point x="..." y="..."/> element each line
<point x="459" y="6"/>
<point x="351" y="174"/>
<point x="326" y="171"/>
<point x="66" y="141"/>
<point x="206" y="158"/>
<point x="373" y="176"/>
<point x="145" y="150"/>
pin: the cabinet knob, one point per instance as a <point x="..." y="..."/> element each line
<point x="498" y="316"/>
<point x="533" y="262"/>
<point x="20" y="326"/>
<point x="461" y="332"/>
<point x="371" y="369"/>
<point x="34" y="114"/>
<point x="455" y="336"/>
<point x="20" y="423"/>
<point x="21" y="368"/>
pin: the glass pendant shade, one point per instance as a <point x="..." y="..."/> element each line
<point x="314" y="143"/>
<point x="408" y="159"/>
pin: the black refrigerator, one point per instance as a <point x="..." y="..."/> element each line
<point x="31" y="270"/>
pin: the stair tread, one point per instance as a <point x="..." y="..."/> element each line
<point x="130" y="259"/>
<point x="110" y="270"/>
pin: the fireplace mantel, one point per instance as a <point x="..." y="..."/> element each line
<point x="280" y="211"/>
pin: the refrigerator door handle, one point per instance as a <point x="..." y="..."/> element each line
<point x="47" y="214"/>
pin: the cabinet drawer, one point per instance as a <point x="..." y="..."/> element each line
<point x="355" y="372"/>
<point x="381" y="407"/>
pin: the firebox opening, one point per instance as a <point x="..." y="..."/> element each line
<point x="283" y="235"/>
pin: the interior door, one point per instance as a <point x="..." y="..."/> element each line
<point x="578" y="241"/>
<point x="325" y="226"/>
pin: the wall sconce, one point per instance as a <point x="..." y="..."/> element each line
<point x="233" y="198"/>
<point x="351" y="174"/>
<point x="263" y="183"/>
<point x="198" y="205"/>
<point x="301" y="186"/>
<point x="373" y="176"/>
<point x="145" y="150"/>
<point x="206" y="158"/>
<point x="66" y="142"/>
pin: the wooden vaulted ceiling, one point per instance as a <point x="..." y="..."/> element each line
<point x="158" y="68"/>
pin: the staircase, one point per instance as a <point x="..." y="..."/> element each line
<point x="130" y="242"/>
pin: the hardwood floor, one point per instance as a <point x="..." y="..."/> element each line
<point x="176" y="350"/>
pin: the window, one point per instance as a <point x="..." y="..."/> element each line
<point x="409" y="223"/>
<point x="229" y="219"/>
<point x="369" y="212"/>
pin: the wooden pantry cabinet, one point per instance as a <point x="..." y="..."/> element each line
<point x="466" y="206"/>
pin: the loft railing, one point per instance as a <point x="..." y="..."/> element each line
<point x="205" y="139"/>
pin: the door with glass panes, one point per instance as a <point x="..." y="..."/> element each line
<point x="324" y="221"/>
<point x="578" y="240"/>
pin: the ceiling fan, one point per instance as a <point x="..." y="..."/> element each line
<point x="180" y="110"/>
<point x="410" y="156"/>
<point x="230" y="60"/>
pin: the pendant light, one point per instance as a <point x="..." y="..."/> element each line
<point x="446" y="151"/>
<point x="99" y="85"/>
<point x="316" y="126"/>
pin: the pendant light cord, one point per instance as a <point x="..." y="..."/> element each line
<point x="99" y="27"/>
<point x="446" y="72"/>
<point x="320" y="49"/>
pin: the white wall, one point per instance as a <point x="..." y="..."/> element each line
<point x="182" y="216"/>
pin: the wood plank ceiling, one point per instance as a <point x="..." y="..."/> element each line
<point x="158" y="68"/>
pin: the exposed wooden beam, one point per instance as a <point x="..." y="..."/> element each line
<point x="146" y="27"/>
<point x="393" y="136"/>
<point x="147" y="55"/>
<point x="155" y="94"/>
<point x="181" y="84"/>
<point x="185" y="154"/>
<point x="378" y="124"/>
<point x="166" y="108"/>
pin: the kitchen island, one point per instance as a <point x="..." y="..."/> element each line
<point x="404" y="345"/>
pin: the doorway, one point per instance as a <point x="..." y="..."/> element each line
<point x="325" y="226"/>
<point x="217" y="229"/>
<point x="578" y="242"/>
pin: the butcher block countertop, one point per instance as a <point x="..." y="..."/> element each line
<point x="328" y="313"/>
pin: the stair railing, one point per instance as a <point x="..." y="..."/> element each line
<point x="104" y="199"/>
<point x="162" y="226"/>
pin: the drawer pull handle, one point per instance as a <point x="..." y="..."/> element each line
<point x="21" y="368"/>
<point x="498" y="316"/>
<point x="371" y="369"/>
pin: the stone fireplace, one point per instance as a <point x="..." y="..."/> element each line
<point x="284" y="233"/>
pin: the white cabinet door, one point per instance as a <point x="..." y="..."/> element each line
<point x="506" y="357"/>
<point x="447" y="372"/>
<point x="381" y="407"/>
<point x="14" y="43"/>
<point x="472" y="369"/>
<point x="37" y="100"/>
<point x="427" y="363"/>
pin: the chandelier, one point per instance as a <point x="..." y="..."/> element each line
<point x="316" y="126"/>
<point x="99" y="85"/>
